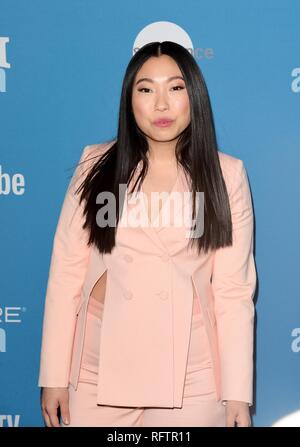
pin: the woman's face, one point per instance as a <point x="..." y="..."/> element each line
<point x="159" y="98"/>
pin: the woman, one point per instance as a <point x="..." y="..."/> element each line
<point x="146" y="323"/>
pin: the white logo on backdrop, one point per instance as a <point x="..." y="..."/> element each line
<point x="3" y="63"/>
<point x="296" y="342"/>
<point x="160" y="31"/>
<point x="289" y="420"/>
<point x="14" y="184"/>
<point x="9" y="420"/>
<point x="295" y="86"/>
<point x="8" y="316"/>
<point x="2" y="340"/>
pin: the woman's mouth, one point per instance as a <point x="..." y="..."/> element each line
<point x="164" y="122"/>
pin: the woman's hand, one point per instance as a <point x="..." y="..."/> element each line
<point x="51" y="399"/>
<point x="237" y="412"/>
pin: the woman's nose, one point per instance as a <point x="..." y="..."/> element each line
<point x="161" y="102"/>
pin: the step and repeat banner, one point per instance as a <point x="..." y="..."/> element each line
<point x="62" y="64"/>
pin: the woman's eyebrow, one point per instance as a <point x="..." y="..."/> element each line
<point x="151" y="80"/>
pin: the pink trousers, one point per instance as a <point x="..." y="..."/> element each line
<point x="200" y="407"/>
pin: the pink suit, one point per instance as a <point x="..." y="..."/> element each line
<point x="199" y="405"/>
<point x="145" y="326"/>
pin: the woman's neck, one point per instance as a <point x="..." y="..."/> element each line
<point x="162" y="154"/>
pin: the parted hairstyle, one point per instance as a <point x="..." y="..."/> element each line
<point x="196" y="150"/>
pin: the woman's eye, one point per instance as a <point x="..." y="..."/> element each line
<point x="179" y="86"/>
<point x="175" y="87"/>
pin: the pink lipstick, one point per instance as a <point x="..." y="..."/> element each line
<point x="163" y="122"/>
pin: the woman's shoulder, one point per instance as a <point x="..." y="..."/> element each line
<point x="89" y="156"/>
<point x="231" y="167"/>
<point x="97" y="149"/>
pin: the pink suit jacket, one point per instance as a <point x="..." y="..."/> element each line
<point x="147" y="320"/>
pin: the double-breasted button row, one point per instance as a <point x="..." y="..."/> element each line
<point x="164" y="257"/>
<point x="162" y="294"/>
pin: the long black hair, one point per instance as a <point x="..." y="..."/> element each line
<point x="196" y="150"/>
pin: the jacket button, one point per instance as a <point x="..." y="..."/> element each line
<point x="163" y="294"/>
<point x="128" y="258"/>
<point x="165" y="257"/>
<point x="127" y="294"/>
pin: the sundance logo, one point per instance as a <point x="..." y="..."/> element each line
<point x="3" y="63"/>
<point x="163" y="30"/>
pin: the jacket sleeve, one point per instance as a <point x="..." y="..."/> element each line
<point x="70" y="254"/>
<point x="233" y="284"/>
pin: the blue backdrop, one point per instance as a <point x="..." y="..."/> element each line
<point x="61" y="69"/>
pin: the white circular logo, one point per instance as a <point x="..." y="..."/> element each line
<point x="160" y="31"/>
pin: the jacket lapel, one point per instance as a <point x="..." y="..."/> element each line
<point x="169" y="235"/>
